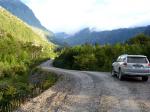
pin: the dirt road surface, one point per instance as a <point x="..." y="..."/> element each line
<point x="83" y="91"/>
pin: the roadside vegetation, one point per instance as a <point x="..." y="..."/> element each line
<point x="100" y="57"/>
<point x="21" y="50"/>
<point x="42" y="79"/>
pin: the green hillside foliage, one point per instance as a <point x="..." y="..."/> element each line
<point x="100" y="58"/>
<point x="140" y="39"/>
<point x="46" y="35"/>
<point x="20" y="50"/>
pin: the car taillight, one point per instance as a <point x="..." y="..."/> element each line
<point x="125" y="64"/>
<point x="149" y="64"/>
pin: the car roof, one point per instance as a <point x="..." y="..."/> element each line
<point x="136" y="56"/>
<point x="126" y="55"/>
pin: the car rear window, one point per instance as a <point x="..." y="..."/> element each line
<point x="137" y="60"/>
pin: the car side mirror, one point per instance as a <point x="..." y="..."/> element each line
<point x="113" y="60"/>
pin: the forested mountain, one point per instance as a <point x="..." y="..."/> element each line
<point x="104" y="37"/>
<point x="20" y="49"/>
<point x="22" y="11"/>
<point x="17" y="8"/>
<point x="147" y="31"/>
<point x="60" y="37"/>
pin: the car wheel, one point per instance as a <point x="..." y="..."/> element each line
<point x="145" y="78"/>
<point x="120" y="76"/>
<point x="113" y="72"/>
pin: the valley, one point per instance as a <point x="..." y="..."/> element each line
<point x="65" y="64"/>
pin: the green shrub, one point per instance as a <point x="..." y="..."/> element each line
<point x="43" y="79"/>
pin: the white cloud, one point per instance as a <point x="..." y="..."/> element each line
<point x="71" y="15"/>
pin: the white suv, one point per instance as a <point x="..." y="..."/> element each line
<point x="131" y="65"/>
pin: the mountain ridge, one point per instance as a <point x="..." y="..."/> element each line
<point x="103" y="37"/>
<point x="22" y="11"/>
<point x="15" y="27"/>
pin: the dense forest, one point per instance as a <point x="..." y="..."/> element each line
<point x="20" y="51"/>
<point x="100" y="57"/>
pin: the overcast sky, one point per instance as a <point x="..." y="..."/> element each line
<point x="72" y="15"/>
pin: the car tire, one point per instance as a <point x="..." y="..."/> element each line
<point x="120" y="76"/>
<point x="113" y="72"/>
<point x="145" y="78"/>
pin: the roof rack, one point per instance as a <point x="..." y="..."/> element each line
<point x="124" y="54"/>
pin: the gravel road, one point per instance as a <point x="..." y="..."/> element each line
<point x="83" y="91"/>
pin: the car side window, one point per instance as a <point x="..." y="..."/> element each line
<point x="118" y="60"/>
<point x="124" y="59"/>
<point x="121" y="59"/>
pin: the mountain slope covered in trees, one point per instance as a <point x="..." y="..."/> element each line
<point x="20" y="50"/>
<point x="22" y="11"/>
<point x="104" y="37"/>
<point x="17" y="8"/>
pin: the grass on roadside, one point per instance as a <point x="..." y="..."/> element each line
<point x="43" y="79"/>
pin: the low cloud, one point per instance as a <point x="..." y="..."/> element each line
<point x="72" y="15"/>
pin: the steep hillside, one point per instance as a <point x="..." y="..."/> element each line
<point x="22" y="11"/>
<point x="17" y="28"/>
<point x="16" y="7"/>
<point x="103" y="37"/>
<point x="20" y="50"/>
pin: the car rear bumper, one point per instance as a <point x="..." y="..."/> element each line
<point x="136" y="72"/>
